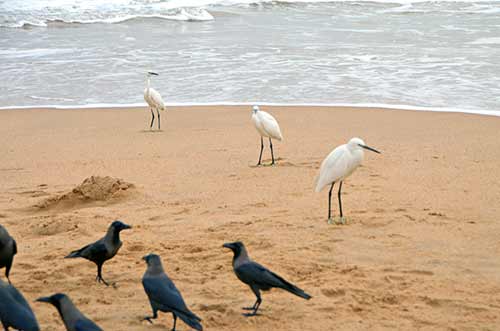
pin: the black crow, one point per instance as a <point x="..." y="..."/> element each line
<point x="103" y="249"/>
<point x="8" y="249"/>
<point x="164" y="296"/>
<point x="257" y="276"/>
<point x="73" y="319"/>
<point x="15" y="311"/>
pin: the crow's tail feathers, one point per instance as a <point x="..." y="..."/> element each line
<point x="74" y="254"/>
<point x="297" y="291"/>
<point x="292" y="288"/>
<point x="82" y="252"/>
<point x="190" y="319"/>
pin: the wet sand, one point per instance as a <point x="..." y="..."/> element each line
<point x="420" y="250"/>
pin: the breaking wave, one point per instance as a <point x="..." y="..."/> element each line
<point x="43" y="13"/>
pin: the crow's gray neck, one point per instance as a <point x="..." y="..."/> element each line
<point x="155" y="269"/>
<point x="240" y="257"/>
<point x="113" y="235"/>
<point x="69" y="313"/>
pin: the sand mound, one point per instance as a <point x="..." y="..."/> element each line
<point x="93" y="189"/>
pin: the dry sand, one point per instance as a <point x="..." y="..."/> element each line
<point x="421" y="249"/>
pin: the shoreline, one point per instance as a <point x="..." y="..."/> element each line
<point x="370" y="106"/>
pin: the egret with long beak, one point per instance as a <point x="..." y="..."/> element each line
<point x="153" y="99"/>
<point x="339" y="165"/>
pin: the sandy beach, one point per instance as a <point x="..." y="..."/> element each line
<point x="420" y="251"/>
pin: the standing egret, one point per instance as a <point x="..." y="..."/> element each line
<point x="267" y="126"/>
<point x="339" y="165"/>
<point x="153" y="99"/>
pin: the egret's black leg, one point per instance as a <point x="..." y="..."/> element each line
<point x="150" y="318"/>
<point x="158" y="113"/>
<point x="175" y="321"/>
<point x="152" y="118"/>
<point x="272" y="154"/>
<point x="99" y="275"/>
<point x="261" y="149"/>
<point x="340" y="200"/>
<point x="330" y="202"/>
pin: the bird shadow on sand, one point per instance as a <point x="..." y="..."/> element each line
<point x="281" y="162"/>
<point x="267" y="163"/>
<point x="251" y="314"/>
<point x="150" y="131"/>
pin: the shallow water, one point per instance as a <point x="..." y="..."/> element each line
<point x="431" y="54"/>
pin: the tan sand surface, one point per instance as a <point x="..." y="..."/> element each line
<point x="421" y="250"/>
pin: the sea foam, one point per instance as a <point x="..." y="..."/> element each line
<point x="40" y="13"/>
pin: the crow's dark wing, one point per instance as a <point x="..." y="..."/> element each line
<point x="254" y="274"/>
<point x="18" y="297"/>
<point x="95" y="252"/>
<point x="15" y="311"/>
<point x="164" y="295"/>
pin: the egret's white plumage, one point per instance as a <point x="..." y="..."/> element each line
<point x="267" y="126"/>
<point x="153" y="99"/>
<point x="339" y="165"/>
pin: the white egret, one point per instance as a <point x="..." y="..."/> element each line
<point x="268" y="127"/>
<point x="153" y="99"/>
<point x="337" y="166"/>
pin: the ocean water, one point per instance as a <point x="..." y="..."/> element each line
<point x="439" y="54"/>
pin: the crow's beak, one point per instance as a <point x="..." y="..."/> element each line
<point x="230" y="246"/>
<point x="370" y="149"/>
<point x="43" y="299"/>
<point x="126" y="226"/>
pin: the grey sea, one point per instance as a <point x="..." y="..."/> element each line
<point x="440" y="54"/>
